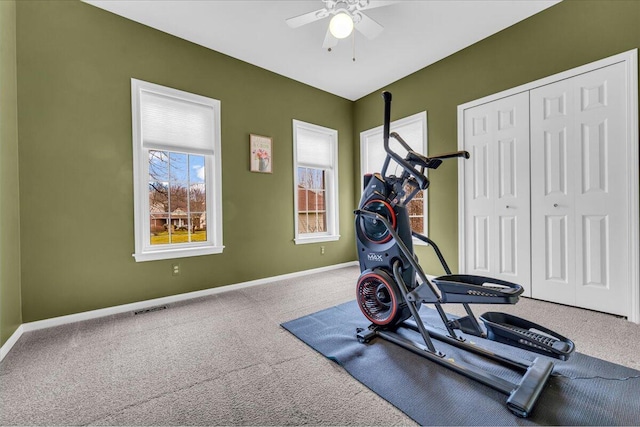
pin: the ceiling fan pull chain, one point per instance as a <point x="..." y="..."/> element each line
<point x="353" y="44"/>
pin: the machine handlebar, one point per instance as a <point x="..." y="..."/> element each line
<point x="462" y="153"/>
<point x="413" y="159"/>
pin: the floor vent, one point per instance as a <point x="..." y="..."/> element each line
<point x="150" y="310"/>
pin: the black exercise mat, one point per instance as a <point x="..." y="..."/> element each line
<point x="434" y="395"/>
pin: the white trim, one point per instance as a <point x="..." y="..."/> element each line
<point x="462" y="259"/>
<point x="141" y="305"/>
<point x="144" y="251"/>
<point x="634" y="180"/>
<point x="331" y="198"/>
<point x="630" y="58"/>
<point x="182" y="252"/>
<point x="4" y="350"/>
<point x="316" y="239"/>
<point x="421" y="118"/>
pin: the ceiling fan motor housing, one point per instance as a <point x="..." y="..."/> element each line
<point x="347" y="6"/>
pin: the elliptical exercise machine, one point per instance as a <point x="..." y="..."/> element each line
<point x="392" y="286"/>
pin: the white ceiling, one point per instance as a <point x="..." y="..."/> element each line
<point x="416" y="34"/>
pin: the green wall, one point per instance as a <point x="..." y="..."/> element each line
<point x="10" y="312"/>
<point x="75" y="63"/>
<point x="567" y="35"/>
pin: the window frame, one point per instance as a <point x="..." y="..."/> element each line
<point x="331" y="184"/>
<point x="377" y="132"/>
<point x="144" y="251"/>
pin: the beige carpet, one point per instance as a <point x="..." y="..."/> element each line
<point x="224" y="360"/>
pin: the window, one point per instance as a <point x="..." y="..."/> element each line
<point x="177" y="173"/>
<point x="413" y="130"/>
<point x="315" y="162"/>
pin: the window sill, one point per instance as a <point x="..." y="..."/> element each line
<point x="177" y="253"/>
<point x="316" y="239"/>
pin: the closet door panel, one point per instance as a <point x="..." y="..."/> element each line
<point x="601" y="203"/>
<point x="479" y="189"/>
<point x="497" y="205"/>
<point x="579" y="207"/>
<point x="552" y="196"/>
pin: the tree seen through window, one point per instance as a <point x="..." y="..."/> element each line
<point x="177" y="198"/>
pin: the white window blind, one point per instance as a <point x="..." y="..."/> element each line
<point x="315" y="184"/>
<point x="314" y="149"/>
<point x="175" y="124"/>
<point x="412" y="132"/>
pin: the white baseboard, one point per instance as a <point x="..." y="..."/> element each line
<point x="141" y="305"/>
<point x="4" y="350"/>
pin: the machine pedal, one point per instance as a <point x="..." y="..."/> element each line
<point x="518" y="332"/>
<point x="463" y="288"/>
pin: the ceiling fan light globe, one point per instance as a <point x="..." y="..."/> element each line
<point x="341" y="25"/>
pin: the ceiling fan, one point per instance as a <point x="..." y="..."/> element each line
<point x="346" y="14"/>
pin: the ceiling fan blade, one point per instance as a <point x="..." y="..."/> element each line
<point x="307" y="18"/>
<point x="368" y="27"/>
<point x="377" y="3"/>
<point x="329" y="40"/>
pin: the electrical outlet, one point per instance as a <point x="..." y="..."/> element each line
<point x="321" y="250"/>
<point x="175" y="268"/>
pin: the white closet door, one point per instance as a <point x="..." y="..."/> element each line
<point x="553" y="161"/>
<point x="579" y="206"/>
<point x="497" y="201"/>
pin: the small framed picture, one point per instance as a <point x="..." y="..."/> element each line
<point x="261" y="151"/>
